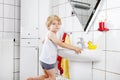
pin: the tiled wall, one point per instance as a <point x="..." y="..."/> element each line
<point x="109" y="66"/>
<point x="10" y="28"/>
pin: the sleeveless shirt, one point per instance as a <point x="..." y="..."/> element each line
<point x="49" y="51"/>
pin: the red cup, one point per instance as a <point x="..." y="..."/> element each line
<point x="102" y="27"/>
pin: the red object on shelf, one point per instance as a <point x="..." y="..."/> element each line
<point x="102" y="27"/>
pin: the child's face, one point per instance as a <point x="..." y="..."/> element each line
<point x="55" y="26"/>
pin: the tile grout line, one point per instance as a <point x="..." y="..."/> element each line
<point x="107" y="71"/>
<point x="9" y="18"/>
<point x="10" y="4"/>
<point x="14" y="64"/>
<point x="3" y="20"/>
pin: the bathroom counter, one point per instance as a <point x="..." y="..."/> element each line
<point x="85" y="56"/>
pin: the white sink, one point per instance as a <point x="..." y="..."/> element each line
<point x="85" y="56"/>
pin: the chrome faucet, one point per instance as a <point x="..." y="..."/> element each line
<point x="81" y="42"/>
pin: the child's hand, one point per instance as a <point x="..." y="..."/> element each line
<point x="78" y="50"/>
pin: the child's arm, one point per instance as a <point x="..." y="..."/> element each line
<point x="53" y="38"/>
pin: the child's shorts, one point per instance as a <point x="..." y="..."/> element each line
<point x="47" y="66"/>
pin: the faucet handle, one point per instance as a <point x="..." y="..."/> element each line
<point x="81" y="42"/>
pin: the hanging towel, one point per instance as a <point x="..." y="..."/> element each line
<point x="67" y="39"/>
<point x="65" y="67"/>
<point x="59" y="59"/>
<point x="65" y="61"/>
<point x="64" y="36"/>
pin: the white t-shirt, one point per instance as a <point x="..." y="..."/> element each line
<point x="49" y="51"/>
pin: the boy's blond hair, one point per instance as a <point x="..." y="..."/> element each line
<point x="51" y="18"/>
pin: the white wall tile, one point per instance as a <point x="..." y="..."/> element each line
<point x="113" y="62"/>
<point x="1" y="1"/>
<point x="101" y="64"/>
<point x="55" y="2"/>
<point x="98" y="75"/>
<point x="69" y="9"/>
<point x="103" y="5"/>
<point x="63" y="22"/>
<point x="77" y="28"/>
<point x="6" y="59"/>
<point x="111" y="76"/>
<point x="99" y="39"/>
<point x="1" y="10"/>
<point x="113" y="40"/>
<point x="62" y="1"/>
<point x="9" y="2"/>
<point x="8" y="11"/>
<point x="8" y="24"/>
<point x="17" y="25"/>
<point x="68" y="24"/>
<point x="17" y="12"/>
<point x="112" y="17"/>
<point x="76" y="24"/>
<point x="55" y="10"/>
<point x="8" y="35"/>
<point x="1" y="24"/>
<point x="62" y="10"/>
<point x="113" y="3"/>
<point x="17" y="2"/>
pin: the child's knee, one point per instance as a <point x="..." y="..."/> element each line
<point x="46" y="76"/>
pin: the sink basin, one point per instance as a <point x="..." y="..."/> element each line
<point x="85" y="56"/>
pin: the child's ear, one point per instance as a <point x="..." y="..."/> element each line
<point x="48" y="28"/>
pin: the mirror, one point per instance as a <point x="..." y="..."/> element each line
<point x="86" y="11"/>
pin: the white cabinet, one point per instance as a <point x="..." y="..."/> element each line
<point x="30" y="42"/>
<point x="33" y="17"/>
<point x="29" y="39"/>
<point x="29" y="32"/>
<point x="29" y="62"/>
<point x="29" y="19"/>
<point x="6" y="59"/>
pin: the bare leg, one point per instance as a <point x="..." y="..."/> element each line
<point x="51" y="73"/>
<point x="41" y="77"/>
